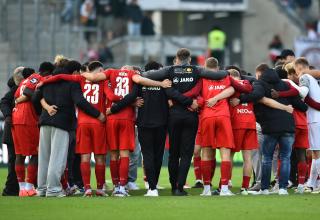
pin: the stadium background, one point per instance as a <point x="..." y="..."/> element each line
<point x="33" y="31"/>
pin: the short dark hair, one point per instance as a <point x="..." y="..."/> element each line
<point x="262" y="67"/>
<point x="301" y="61"/>
<point x="212" y="63"/>
<point x="152" y="65"/>
<point x="84" y="66"/>
<point x="72" y="66"/>
<point x="46" y="68"/>
<point x="136" y="68"/>
<point x="94" y="65"/>
<point x="183" y="54"/>
<point x="233" y="67"/>
<point x="26" y="72"/>
<point x="281" y="72"/>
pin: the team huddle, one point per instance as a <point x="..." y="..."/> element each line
<point x="270" y="117"/>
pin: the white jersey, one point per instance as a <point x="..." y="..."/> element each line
<point x="310" y="83"/>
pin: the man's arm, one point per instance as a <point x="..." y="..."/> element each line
<point x="304" y="84"/>
<point x="126" y="101"/>
<point x="208" y="74"/>
<point x="51" y="109"/>
<point x="246" y="87"/>
<point x="160" y="74"/>
<point x="226" y="93"/>
<point x="81" y="102"/>
<point x="59" y="77"/>
<point x="95" y="77"/>
<point x="298" y="104"/>
<point x="110" y="95"/>
<point x="149" y="82"/>
<point x="195" y="91"/>
<point x="292" y="91"/>
<point x="276" y="105"/>
<point x="178" y="97"/>
<point x="256" y="94"/>
<point x="314" y="73"/>
<point x="6" y="103"/>
<point x="312" y="103"/>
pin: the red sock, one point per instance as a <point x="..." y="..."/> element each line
<point x="213" y="168"/>
<point x="32" y="171"/>
<point x="100" y="170"/>
<point x="309" y="162"/>
<point x="278" y="169"/>
<point x="85" y="173"/>
<point x="64" y="179"/>
<point x="114" y="170"/>
<point x="197" y="167"/>
<point x="21" y="172"/>
<point x="245" y="182"/>
<point x="225" y="172"/>
<point x="302" y="172"/>
<point x="124" y="170"/>
<point x="206" y="171"/>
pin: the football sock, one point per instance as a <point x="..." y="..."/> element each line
<point x="225" y="172"/>
<point x="302" y="172"/>
<point x="245" y="182"/>
<point x="114" y="170"/>
<point x="32" y="171"/>
<point x="124" y="170"/>
<point x="206" y="171"/>
<point x="313" y="173"/>
<point x="197" y="167"/>
<point x="21" y="175"/>
<point x="85" y="173"/>
<point x="100" y="170"/>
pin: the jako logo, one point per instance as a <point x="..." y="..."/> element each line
<point x="243" y="111"/>
<point x="222" y="87"/>
<point x="175" y="80"/>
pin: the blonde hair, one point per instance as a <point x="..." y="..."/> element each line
<point x="289" y="68"/>
<point x="234" y="73"/>
<point x="17" y="75"/>
<point x="60" y="59"/>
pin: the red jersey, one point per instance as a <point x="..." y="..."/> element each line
<point x="211" y="88"/>
<point x="24" y="112"/>
<point x="242" y="115"/>
<point x="93" y="92"/>
<point x="121" y="84"/>
<point x="300" y="119"/>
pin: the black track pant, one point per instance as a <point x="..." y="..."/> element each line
<point x="182" y="133"/>
<point x="152" y="141"/>
<point x="11" y="186"/>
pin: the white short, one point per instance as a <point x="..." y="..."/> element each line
<point x="314" y="136"/>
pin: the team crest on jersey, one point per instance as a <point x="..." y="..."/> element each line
<point x="188" y="70"/>
<point x="178" y="70"/>
<point x="175" y="80"/>
<point x="34" y="80"/>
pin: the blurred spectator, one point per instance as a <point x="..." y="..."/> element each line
<point x="67" y="12"/>
<point x="105" y="54"/>
<point x="105" y="16"/>
<point x="311" y="31"/>
<point x="118" y="11"/>
<point x="88" y="17"/>
<point x="304" y="8"/>
<point x="147" y="26"/>
<point x="135" y="16"/>
<point x="275" y="48"/>
<point x="216" y="43"/>
<point x="92" y="54"/>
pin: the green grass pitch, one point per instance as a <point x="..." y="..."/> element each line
<point x="165" y="207"/>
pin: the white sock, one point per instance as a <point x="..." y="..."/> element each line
<point x="207" y="188"/>
<point x="224" y="188"/>
<point x="28" y="186"/>
<point x="122" y="189"/>
<point x="22" y="185"/>
<point x="317" y="163"/>
<point x="313" y="173"/>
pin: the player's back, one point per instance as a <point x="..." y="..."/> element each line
<point x="24" y="113"/>
<point x="121" y="84"/>
<point x="94" y="94"/>
<point x="211" y="88"/>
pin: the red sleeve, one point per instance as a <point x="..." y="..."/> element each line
<point x="195" y="91"/>
<point x="107" y="73"/>
<point x="200" y="101"/>
<point x="33" y="82"/>
<point x="246" y="87"/>
<point x="66" y="77"/>
<point x="312" y="103"/>
<point x="289" y="93"/>
<point x="110" y="95"/>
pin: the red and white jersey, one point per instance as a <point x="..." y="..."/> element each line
<point x="121" y="84"/>
<point x="24" y="113"/>
<point x="93" y="92"/>
<point x="211" y="88"/>
<point x="300" y="119"/>
<point x="242" y="115"/>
